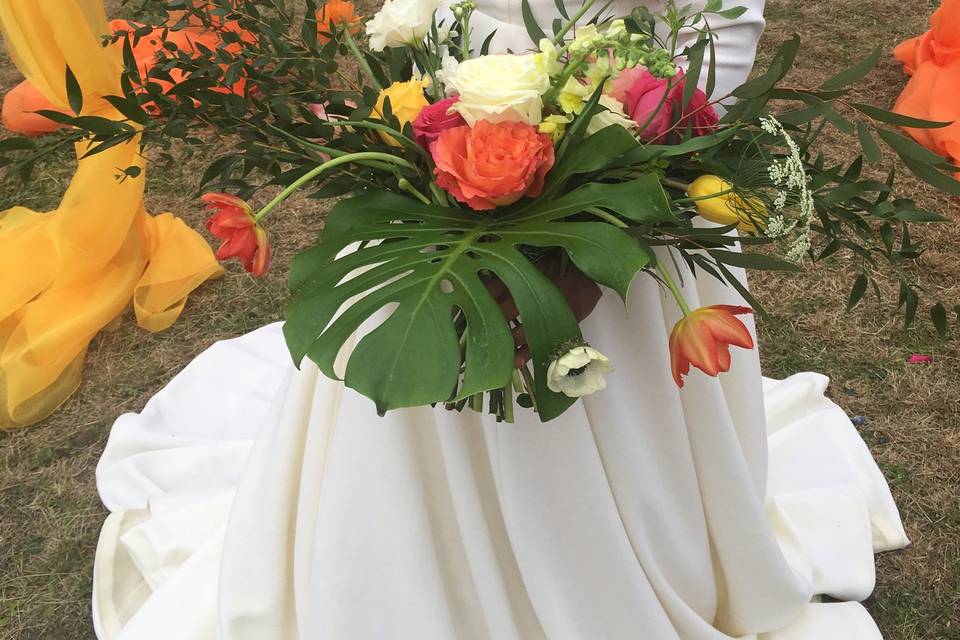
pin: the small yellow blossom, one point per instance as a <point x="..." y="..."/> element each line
<point x="548" y="60"/>
<point x="572" y="96"/>
<point x="554" y="126"/>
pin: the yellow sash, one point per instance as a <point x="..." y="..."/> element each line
<point x="67" y="273"/>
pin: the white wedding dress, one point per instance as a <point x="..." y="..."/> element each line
<point x="253" y="501"/>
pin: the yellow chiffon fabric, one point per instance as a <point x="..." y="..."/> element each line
<point x="67" y="273"/>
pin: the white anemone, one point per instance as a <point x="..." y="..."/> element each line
<point x="579" y="372"/>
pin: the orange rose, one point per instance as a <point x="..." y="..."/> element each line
<point x="492" y="165"/>
<point x="338" y="12"/>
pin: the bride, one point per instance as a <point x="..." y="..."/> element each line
<point x="254" y="501"/>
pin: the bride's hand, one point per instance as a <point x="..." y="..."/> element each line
<point x="581" y="293"/>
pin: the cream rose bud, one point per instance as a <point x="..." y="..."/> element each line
<point x="579" y="372"/>
<point x="613" y="115"/>
<point x="401" y="22"/>
<point x="499" y="88"/>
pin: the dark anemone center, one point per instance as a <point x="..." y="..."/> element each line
<point x="578" y="370"/>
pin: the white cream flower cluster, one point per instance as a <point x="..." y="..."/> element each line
<point x="791" y="180"/>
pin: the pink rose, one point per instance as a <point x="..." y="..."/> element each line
<point x="435" y="118"/>
<point x="699" y="116"/>
<point x="624" y="81"/>
<point x="645" y="99"/>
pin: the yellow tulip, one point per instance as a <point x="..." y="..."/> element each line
<point x="726" y="207"/>
<point x="406" y="102"/>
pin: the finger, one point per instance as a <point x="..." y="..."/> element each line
<point x="587" y="300"/>
<point x="522" y="357"/>
<point x="519" y="336"/>
<point x="509" y="308"/>
<point x="496" y="288"/>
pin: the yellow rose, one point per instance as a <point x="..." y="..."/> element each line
<point x="726" y="207"/>
<point x="406" y="102"/>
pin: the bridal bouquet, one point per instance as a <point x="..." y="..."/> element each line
<point x="473" y="176"/>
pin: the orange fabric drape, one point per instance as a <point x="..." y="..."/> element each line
<point x="933" y="92"/>
<point x="71" y="271"/>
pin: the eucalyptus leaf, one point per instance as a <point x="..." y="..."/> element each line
<point x="938" y="315"/>
<point x="695" y="65"/>
<point x="853" y="74"/>
<point x="530" y="22"/>
<point x="870" y="147"/>
<point x="129" y="108"/>
<point x="895" y="118"/>
<point x="753" y="260"/>
<point x="931" y="176"/>
<point x="74" y="92"/>
<point x="733" y="13"/>
<point x="857" y="291"/>
<point x="905" y="147"/>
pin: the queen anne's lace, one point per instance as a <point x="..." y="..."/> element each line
<point x="792" y="183"/>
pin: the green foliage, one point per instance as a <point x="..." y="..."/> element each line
<point x="434" y="264"/>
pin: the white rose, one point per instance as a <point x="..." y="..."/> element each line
<point x="499" y="88"/>
<point x="448" y="68"/>
<point x="613" y="115"/>
<point x="401" y="22"/>
<point x="578" y="372"/>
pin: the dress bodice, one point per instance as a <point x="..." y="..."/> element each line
<point x="736" y="43"/>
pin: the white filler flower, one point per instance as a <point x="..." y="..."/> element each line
<point x="579" y="372"/>
<point x="401" y="22"/>
<point x="499" y="88"/>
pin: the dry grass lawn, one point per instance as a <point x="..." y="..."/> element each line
<point x="50" y="514"/>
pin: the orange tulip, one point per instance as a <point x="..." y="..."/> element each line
<point x="702" y="339"/>
<point x="340" y="13"/>
<point x="233" y="222"/>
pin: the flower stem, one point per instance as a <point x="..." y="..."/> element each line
<point x="528" y="382"/>
<point x="329" y="164"/>
<point x="361" y="60"/>
<point x="476" y="402"/>
<point x="674" y="289"/>
<point x="656" y="110"/>
<point x="561" y="81"/>
<point x="607" y="217"/>
<point x="557" y="39"/>
<point x="507" y="405"/>
<point x="423" y="61"/>
<point x="465" y="37"/>
<point x="405" y="185"/>
<point x="393" y="133"/>
<point x="676" y="184"/>
<point x="709" y="196"/>
<point x="439" y="196"/>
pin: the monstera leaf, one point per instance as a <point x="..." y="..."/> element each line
<point x="413" y="265"/>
